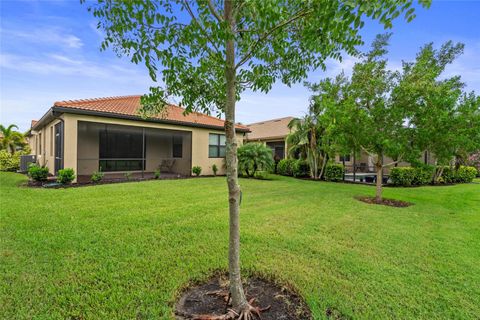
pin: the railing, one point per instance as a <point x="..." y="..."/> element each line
<point x="362" y="173"/>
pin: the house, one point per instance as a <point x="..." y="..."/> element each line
<point x="273" y="133"/>
<point x="108" y="134"/>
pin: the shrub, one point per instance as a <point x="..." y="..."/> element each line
<point x="448" y="174"/>
<point x="253" y="157"/>
<point x="65" y="176"/>
<point x="8" y="161"/>
<point x="285" y="167"/>
<point x="262" y="175"/>
<point x="423" y="175"/>
<point x="156" y="174"/>
<point x="402" y="176"/>
<point x="465" y="174"/>
<point x="197" y="170"/>
<point x="97" y="176"/>
<point x="214" y="169"/>
<point x="300" y="168"/>
<point x="334" y="172"/>
<point x="37" y="172"/>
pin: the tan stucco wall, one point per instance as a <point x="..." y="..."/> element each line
<point x="199" y="148"/>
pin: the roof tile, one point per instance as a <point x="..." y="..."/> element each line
<point x="129" y="106"/>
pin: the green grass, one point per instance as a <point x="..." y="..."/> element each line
<point x="125" y="251"/>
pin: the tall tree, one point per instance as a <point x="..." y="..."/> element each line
<point x="11" y="139"/>
<point x="208" y="52"/>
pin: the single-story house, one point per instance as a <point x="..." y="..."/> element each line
<point x="108" y="134"/>
<point x="273" y="133"/>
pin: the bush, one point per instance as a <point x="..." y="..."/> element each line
<point x="262" y="175"/>
<point x="156" y="174"/>
<point x="285" y="167"/>
<point x="300" y="168"/>
<point x="334" y="172"/>
<point x="402" y="176"/>
<point x="197" y="170"/>
<point x="423" y="175"/>
<point x="65" y="176"/>
<point x="466" y="174"/>
<point x="214" y="169"/>
<point x="8" y="161"/>
<point x="448" y="174"/>
<point x="253" y="157"/>
<point x="37" y="172"/>
<point x="97" y="176"/>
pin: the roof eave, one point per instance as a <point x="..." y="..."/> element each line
<point x="61" y="109"/>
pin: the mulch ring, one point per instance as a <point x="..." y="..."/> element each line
<point x="209" y="298"/>
<point x="385" y="202"/>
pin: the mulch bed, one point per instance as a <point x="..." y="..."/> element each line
<point x="200" y="300"/>
<point x="385" y="202"/>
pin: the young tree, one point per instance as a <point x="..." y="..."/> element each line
<point x="208" y="52"/>
<point x="316" y="137"/>
<point x="445" y="120"/>
<point x="380" y="122"/>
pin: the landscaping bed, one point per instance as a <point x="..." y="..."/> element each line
<point x="209" y="298"/>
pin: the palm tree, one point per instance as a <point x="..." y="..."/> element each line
<point x="254" y="156"/>
<point x="305" y="140"/>
<point x="11" y="139"/>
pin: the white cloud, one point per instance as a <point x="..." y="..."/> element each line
<point x="48" y="35"/>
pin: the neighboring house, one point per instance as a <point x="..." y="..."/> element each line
<point x="108" y="134"/>
<point x="273" y="133"/>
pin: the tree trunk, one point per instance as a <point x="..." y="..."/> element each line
<point x="236" y="289"/>
<point x="378" y="191"/>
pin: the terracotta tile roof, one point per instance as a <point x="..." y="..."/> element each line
<point x="34" y="122"/>
<point x="129" y="105"/>
<point x="269" y="129"/>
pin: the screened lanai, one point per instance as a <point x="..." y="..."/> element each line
<point x="117" y="149"/>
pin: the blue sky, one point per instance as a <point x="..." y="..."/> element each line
<point x="49" y="51"/>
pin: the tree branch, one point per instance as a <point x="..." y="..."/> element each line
<point x="189" y="10"/>
<point x="252" y="49"/>
<point x="214" y="11"/>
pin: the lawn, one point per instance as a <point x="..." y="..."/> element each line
<point x="125" y="251"/>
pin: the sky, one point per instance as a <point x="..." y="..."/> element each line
<point x="49" y="51"/>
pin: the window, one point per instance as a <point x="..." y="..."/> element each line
<point x="121" y="151"/>
<point x="345" y="158"/>
<point x="177" y="146"/>
<point x="278" y="149"/>
<point x="216" y="145"/>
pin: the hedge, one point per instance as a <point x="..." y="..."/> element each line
<point x="334" y="172"/>
<point x="418" y="176"/>
<point x="464" y="174"/>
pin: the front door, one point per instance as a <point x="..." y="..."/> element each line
<point x="58" y="146"/>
